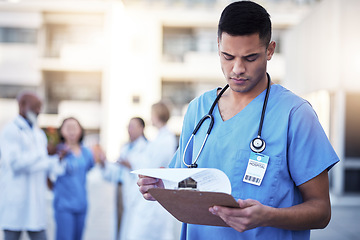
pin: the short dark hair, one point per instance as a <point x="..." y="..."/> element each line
<point x="140" y="120"/>
<point x="245" y="18"/>
<point x="62" y="139"/>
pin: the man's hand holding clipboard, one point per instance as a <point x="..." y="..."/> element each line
<point x="188" y="201"/>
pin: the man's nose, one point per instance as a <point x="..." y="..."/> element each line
<point x="239" y="67"/>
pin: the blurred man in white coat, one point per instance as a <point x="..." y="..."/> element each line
<point x="25" y="165"/>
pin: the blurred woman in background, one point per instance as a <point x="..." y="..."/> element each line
<point x="70" y="196"/>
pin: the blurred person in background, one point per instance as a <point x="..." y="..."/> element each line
<point x="149" y="220"/>
<point x="25" y="165"/>
<point x="119" y="172"/>
<point x="70" y="195"/>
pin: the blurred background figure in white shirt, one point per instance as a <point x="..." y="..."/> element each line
<point x="25" y="165"/>
<point x="119" y="172"/>
<point x="157" y="154"/>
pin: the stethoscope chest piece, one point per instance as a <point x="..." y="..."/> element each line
<point x="257" y="145"/>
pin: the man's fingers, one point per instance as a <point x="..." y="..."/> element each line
<point x="246" y="203"/>
<point x="143" y="180"/>
<point x="148" y="196"/>
<point x="145" y="183"/>
<point x="145" y="188"/>
<point x="220" y="211"/>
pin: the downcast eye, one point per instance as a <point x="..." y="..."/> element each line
<point x="228" y="57"/>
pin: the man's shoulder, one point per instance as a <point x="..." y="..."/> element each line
<point x="139" y="142"/>
<point x="286" y="97"/>
<point x="10" y="126"/>
<point x="209" y="93"/>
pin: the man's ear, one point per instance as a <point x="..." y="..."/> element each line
<point x="270" y="50"/>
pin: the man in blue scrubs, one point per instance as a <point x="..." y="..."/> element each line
<point x="289" y="194"/>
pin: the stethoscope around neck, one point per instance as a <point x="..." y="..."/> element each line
<point x="257" y="145"/>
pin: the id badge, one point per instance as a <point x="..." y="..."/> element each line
<point x="256" y="168"/>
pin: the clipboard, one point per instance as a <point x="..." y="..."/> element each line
<point x="191" y="206"/>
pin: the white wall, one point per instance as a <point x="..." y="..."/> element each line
<point x="19" y="65"/>
<point x="322" y="52"/>
<point x="28" y="19"/>
<point x="8" y="110"/>
<point x="87" y="112"/>
<point x="134" y="52"/>
<point x="349" y="60"/>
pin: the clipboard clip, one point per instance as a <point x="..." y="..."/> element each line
<point x="188" y="184"/>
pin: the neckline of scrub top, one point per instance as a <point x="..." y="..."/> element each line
<point x="259" y="97"/>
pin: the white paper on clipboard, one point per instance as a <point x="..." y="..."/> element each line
<point x="208" y="179"/>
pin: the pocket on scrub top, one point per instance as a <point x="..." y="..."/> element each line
<point x="266" y="192"/>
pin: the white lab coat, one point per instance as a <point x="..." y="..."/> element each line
<point x="148" y="219"/>
<point x="114" y="172"/>
<point x="24" y="164"/>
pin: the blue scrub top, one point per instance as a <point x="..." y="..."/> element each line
<point x="296" y="144"/>
<point x="70" y="189"/>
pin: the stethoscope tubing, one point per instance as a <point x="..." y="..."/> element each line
<point x="201" y="122"/>
<point x="253" y="146"/>
<point x="264" y="106"/>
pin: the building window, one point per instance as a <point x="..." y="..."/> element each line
<point x="352" y="180"/>
<point x="60" y="36"/>
<point x="352" y="140"/>
<point x="18" y="35"/>
<point x="177" y="41"/>
<point x="77" y="86"/>
<point x="179" y="94"/>
<point x="276" y="36"/>
<point x="11" y="91"/>
<point x="352" y="128"/>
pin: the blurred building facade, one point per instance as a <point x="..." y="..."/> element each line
<point x="107" y="61"/>
<point x="324" y="67"/>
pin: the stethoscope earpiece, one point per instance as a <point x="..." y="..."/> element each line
<point x="257" y="145"/>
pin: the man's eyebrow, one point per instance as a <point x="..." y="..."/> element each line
<point x="227" y="54"/>
<point x="251" y="55"/>
<point x="247" y="56"/>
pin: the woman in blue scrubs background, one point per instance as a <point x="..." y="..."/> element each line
<point x="70" y="197"/>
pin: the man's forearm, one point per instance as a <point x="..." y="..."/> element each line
<point x="313" y="214"/>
